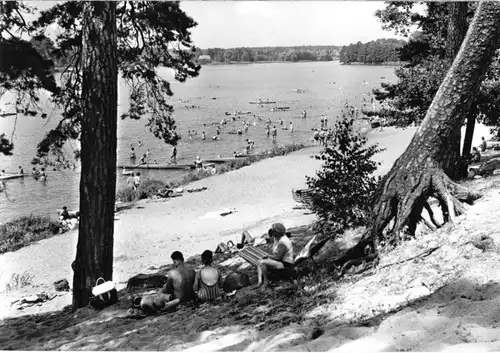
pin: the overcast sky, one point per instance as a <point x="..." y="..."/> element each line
<point x="227" y="24"/>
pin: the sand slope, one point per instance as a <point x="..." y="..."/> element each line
<point x="146" y="236"/>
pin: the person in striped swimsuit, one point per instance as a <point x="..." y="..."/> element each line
<point x="208" y="281"/>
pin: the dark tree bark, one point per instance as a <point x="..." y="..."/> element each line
<point x="418" y="173"/>
<point x="94" y="257"/>
<point x="457" y="29"/>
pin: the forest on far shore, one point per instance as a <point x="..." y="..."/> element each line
<point x="374" y="52"/>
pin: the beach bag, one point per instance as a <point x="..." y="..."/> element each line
<point x="103" y="294"/>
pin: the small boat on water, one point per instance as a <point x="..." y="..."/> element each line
<point x="12" y="176"/>
<point x="279" y="109"/>
<point x="127" y="172"/>
<point x="263" y="102"/>
<point x="298" y="90"/>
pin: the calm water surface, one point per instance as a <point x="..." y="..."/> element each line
<point x="218" y="89"/>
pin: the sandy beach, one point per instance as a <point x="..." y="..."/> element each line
<point x="146" y="235"/>
<point x="463" y="287"/>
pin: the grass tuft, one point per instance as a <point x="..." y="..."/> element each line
<point x="18" y="281"/>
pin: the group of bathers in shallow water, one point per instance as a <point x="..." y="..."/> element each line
<point x="184" y="284"/>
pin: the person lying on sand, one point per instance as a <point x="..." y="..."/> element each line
<point x="282" y="254"/>
<point x="208" y="280"/>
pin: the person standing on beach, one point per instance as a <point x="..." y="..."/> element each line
<point x="173" y="157"/>
<point x="291" y="127"/>
<point x="203" y="135"/>
<point x="20" y="170"/>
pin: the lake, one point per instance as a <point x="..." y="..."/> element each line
<point x="217" y="90"/>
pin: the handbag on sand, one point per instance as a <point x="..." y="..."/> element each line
<point x="104" y="294"/>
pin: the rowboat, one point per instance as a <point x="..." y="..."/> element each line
<point x="263" y="102"/>
<point x="12" y="176"/>
<point x="156" y="166"/>
<point x="279" y="109"/>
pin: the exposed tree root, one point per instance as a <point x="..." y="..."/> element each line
<point x="403" y="195"/>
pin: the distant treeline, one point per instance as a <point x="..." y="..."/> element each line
<point x="374" y="52"/>
<point x="294" y="54"/>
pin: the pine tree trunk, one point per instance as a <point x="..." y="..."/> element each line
<point x="418" y="174"/>
<point x="94" y="257"/>
<point x="457" y="29"/>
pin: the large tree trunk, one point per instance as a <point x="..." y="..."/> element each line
<point x="94" y="257"/>
<point x="418" y="174"/>
<point x="457" y="29"/>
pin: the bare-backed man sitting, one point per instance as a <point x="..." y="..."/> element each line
<point x="179" y="286"/>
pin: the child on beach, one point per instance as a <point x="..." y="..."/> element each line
<point x="483" y="144"/>
<point x="137" y="180"/>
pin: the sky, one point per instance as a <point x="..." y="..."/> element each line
<point x="228" y="24"/>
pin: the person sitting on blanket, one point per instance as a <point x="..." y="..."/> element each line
<point x="282" y="254"/>
<point x="208" y="280"/>
<point x="178" y="289"/>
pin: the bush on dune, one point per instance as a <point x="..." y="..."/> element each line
<point x="344" y="187"/>
<point x="24" y="230"/>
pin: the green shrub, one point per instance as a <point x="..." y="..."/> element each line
<point x="25" y="230"/>
<point x="343" y="188"/>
